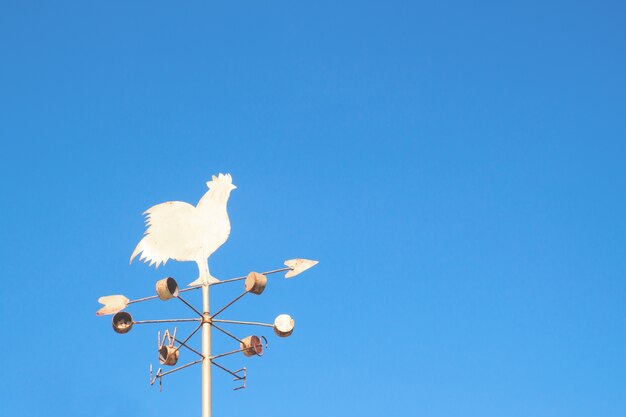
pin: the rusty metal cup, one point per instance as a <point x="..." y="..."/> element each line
<point x="167" y="288"/>
<point x="255" y="283"/>
<point x="168" y="355"/>
<point x="251" y="346"/>
<point x="122" y="322"/>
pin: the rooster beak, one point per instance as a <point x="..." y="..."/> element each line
<point x="233" y="187"/>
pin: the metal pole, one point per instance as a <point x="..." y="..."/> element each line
<point x="206" y="351"/>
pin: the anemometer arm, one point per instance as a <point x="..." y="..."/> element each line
<point x="184" y="342"/>
<point x="164" y="321"/>
<point x="248" y="323"/>
<point x="187" y="346"/>
<point x="215" y="326"/>
<point x="239" y="297"/>
<point x="190" y="306"/>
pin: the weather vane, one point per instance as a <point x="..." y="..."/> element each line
<point x="183" y="232"/>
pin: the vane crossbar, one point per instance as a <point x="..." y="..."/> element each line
<point x="152" y="297"/>
<point x="142" y="299"/>
<point x="195" y="287"/>
<point x="244" y="277"/>
<point x="225" y="281"/>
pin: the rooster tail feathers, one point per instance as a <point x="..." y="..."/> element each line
<point x="136" y="252"/>
<point x="148" y="254"/>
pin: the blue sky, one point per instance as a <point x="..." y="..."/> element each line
<point x="457" y="168"/>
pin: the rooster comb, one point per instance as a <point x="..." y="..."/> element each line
<point x="220" y="180"/>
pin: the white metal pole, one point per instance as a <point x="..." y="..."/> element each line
<point x="206" y="351"/>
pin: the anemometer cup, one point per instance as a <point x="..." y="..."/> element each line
<point x="167" y="288"/>
<point x="168" y="355"/>
<point x="255" y="283"/>
<point x="122" y="322"/>
<point x="283" y="325"/>
<point x="252" y="346"/>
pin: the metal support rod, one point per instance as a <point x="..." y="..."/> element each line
<point x="189" y="337"/>
<point x="206" y="353"/>
<point x="228" y="353"/>
<point x="226" y="333"/>
<point x="190" y="306"/>
<point x="249" y="323"/>
<point x="179" y="368"/>
<point x="233" y="373"/>
<point x="229" y="304"/>
<point x="188" y="347"/>
<point x="165" y="321"/>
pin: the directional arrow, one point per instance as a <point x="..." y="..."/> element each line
<point x="298" y="266"/>
<point x="112" y="304"/>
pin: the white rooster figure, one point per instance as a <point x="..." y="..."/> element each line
<point x="180" y="231"/>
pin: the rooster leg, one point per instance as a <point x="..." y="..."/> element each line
<point x="205" y="276"/>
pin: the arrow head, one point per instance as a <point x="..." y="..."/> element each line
<point x="112" y="304"/>
<point x="298" y="266"/>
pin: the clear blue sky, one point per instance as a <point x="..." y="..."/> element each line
<point x="458" y="168"/>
